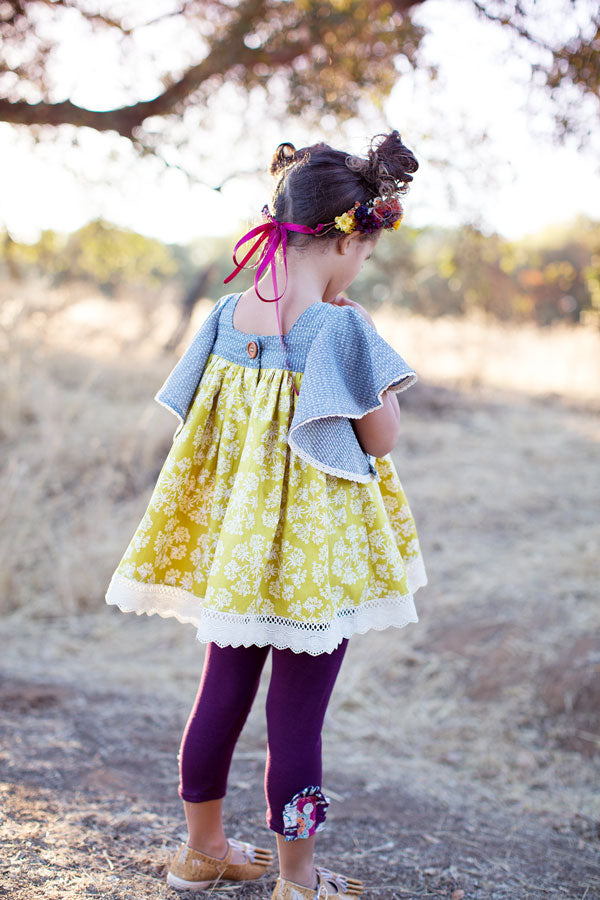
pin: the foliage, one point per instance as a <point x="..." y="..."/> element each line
<point x="313" y="56"/>
<point x="307" y="57"/>
<point x="551" y="276"/>
<point x="99" y="252"/>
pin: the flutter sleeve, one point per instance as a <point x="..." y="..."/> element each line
<point x="348" y="367"/>
<point x="178" y="389"/>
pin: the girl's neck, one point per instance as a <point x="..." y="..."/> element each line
<point x="305" y="285"/>
<point x="306" y="282"/>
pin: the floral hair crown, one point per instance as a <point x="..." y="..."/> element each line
<point x="380" y="212"/>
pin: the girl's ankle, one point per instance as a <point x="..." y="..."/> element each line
<point x="216" y="849"/>
<point x="305" y="877"/>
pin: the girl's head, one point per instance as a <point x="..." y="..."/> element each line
<point x="317" y="183"/>
<point x="329" y="201"/>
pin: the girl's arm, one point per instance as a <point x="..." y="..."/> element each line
<point x="378" y="431"/>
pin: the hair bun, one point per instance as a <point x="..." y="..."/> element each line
<point x="361" y="167"/>
<point x="388" y="165"/>
<point x="284" y="156"/>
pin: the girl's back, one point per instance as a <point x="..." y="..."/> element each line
<point x="256" y="531"/>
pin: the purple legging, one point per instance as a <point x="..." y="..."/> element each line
<point x="297" y="699"/>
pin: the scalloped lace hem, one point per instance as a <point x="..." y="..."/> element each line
<point x="246" y="629"/>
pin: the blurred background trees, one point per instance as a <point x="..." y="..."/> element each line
<point x="549" y="277"/>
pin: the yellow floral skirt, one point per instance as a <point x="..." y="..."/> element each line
<point x="253" y="545"/>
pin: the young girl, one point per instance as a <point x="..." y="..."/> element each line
<point x="278" y="523"/>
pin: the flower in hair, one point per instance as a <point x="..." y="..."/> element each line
<point x="346" y="222"/>
<point x="387" y="210"/>
<point x="380" y="212"/>
<point x="366" y="222"/>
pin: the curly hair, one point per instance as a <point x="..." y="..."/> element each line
<point x="317" y="183"/>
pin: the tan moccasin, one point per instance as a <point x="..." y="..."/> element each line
<point x="191" y="870"/>
<point x="343" y="887"/>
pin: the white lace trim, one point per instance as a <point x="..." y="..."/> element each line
<point x="329" y="470"/>
<point x="173" y="410"/>
<point x="411" y="377"/>
<point x="235" y="629"/>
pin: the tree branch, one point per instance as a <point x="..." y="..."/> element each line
<point x="229" y="51"/>
<point x="88" y="16"/>
<point x="226" y="53"/>
<point x="66" y="113"/>
<point x="402" y="6"/>
<point x="509" y="23"/>
<point x="191" y="176"/>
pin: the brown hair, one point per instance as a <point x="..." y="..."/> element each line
<point x="317" y="183"/>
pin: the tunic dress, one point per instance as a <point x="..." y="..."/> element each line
<point x="268" y="524"/>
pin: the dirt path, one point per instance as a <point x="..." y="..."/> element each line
<point x="90" y="810"/>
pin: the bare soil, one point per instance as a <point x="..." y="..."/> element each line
<point x="90" y="810"/>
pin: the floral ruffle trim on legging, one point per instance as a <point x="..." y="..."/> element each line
<point x="305" y="813"/>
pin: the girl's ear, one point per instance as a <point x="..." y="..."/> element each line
<point x="344" y="243"/>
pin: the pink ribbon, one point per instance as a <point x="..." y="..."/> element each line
<point x="275" y="234"/>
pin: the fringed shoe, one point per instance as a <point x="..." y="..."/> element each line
<point x="191" y="870"/>
<point x="328" y="884"/>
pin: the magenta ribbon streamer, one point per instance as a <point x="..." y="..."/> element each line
<point x="275" y="234"/>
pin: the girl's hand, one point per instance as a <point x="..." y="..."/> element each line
<point x="342" y="300"/>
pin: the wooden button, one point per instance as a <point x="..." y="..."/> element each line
<point x="252" y="349"/>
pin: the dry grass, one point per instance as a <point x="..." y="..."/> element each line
<point x="560" y="360"/>
<point x="492" y="700"/>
